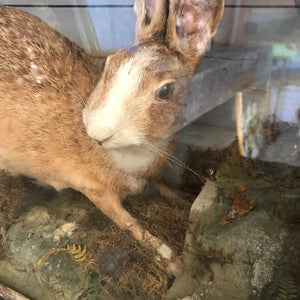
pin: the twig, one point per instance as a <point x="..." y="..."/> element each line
<point x="239" y="125"/>
<point x="9" y="294"/>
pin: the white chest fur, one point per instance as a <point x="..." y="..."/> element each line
<point x="133" y="159"/>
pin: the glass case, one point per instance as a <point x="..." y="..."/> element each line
<point x="210" y="181"/>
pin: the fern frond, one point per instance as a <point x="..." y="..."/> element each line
<point x="41" y="262"/>
<point x="287" y="288"/>
<point x="77" y="253"/>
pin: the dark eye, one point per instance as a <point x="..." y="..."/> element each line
<point x="165" y="92"/>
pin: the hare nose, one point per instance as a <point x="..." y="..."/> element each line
<point x="104" y="140"/>
<point x="98" y="126"/>
<point x="101" y="135"/>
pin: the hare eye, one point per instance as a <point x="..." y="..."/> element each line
<point x="164" y="92"/>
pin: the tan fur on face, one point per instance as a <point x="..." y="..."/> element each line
<point x="129" y="110"/>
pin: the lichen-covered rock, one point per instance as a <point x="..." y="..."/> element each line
<point x="27" y="241"/>
<point x="242" y="258"/>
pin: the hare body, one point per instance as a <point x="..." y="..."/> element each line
<point x="68" y="124"/>
<point x="44" y="80"/>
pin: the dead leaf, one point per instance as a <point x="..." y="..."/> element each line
<point x="240" y="206"/>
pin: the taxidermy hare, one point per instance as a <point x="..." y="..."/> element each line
<point x="68" y="124"/>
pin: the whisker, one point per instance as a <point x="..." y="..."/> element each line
<point x="168" y="157"/>
<point x="185" y="166"/>
<point x="162" y="155"/>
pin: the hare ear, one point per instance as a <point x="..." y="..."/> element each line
<point x="191" y="25"/>
<point x="151" y="20"/>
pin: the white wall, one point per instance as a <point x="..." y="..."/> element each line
<point x="93" y="24"/>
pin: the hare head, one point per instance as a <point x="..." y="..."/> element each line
<point x="141" y="92"/>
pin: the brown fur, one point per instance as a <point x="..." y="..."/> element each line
<point x="46" y="81"/>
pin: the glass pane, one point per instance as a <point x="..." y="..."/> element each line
<point x="178" y="121"/>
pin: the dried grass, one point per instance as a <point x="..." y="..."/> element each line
<point x="11" y="193"/>
<point x="165" y="218"/>
<point x="130" y="270"/>
<point x="127" y="268"/>
<point x="206" y="163"/>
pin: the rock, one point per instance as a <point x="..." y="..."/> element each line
<point x="244" y="258"/>
<point x="31" y="236"/>
<point x="184" y="287"/>
<point x="64" y="230"/>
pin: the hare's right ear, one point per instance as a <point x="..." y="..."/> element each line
<point x="151" y="20"/>
<point x="191" y="25"/>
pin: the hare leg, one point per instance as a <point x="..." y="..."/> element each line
<point x="109" y="203"/>
<point x="165" y="191"/>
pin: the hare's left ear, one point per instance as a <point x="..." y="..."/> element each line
<point x="151" y="20"/>
<point x="191" y="25"/>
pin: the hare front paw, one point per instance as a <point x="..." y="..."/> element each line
<point x="173" y="264"/>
